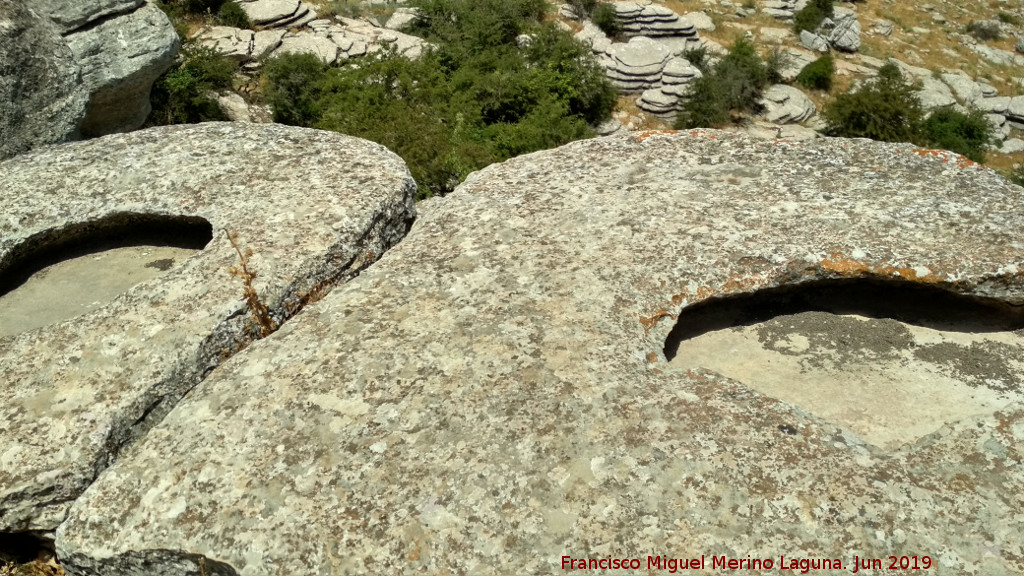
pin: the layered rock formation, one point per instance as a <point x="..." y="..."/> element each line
<point x="314" y="207"/>
<point x="40" y="97"/>
<point x="493" y="395"/>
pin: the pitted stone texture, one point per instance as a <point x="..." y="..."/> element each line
<point x="42" y="100"/>
<point x="314" y="207"/>
<point x="120" y="58"/>
<point x="491" y="396"/>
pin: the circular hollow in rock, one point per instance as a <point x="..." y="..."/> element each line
<point x="891" y="362"/>
<point x="60" y="274"/>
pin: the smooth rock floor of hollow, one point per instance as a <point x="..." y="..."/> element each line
<point x="79" y="285"/>
<point x="888" y="382"/>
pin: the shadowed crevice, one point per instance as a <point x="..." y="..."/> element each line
<point x="915" y="304"/>
<point x="120" y="230"/>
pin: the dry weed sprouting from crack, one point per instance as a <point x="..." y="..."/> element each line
<point x="38" y="567"/>
<point x="259" y="310"/>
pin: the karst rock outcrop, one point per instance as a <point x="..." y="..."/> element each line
<point x="493" y="394"/>
<point x="78" y="68"/>
<point x="313" y="207"/>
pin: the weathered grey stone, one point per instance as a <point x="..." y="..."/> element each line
<point x="72" y="14"/>
<point x="323" y="48"/>
<point x="784" y="104"/>
<point x="493" y="394"/>
<point x="845" y="35"/>
<point x="700" y="20"/>
<point x="795" y="59"/>
<point x="812" y="41"/>
<point x="963" y="86"/>
<point x="934" y="94"/>
<point x="775" y="35"/>
<point x="1015" y="109"/>
<point x="1019" y="46"/>
<point x="1012" y="146"/>
<point x="120" y="58"/>
<point x="882" y="28"/>
<point x="234" y="43"/>
<point x="314" y="207"/>
<point x="42" y="100"/>
<point x="401" y="18"/>
<point x="262" y="12"/>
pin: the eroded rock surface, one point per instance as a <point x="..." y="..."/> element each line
<point x="492" y="395"/>
<point x="314" y="208"/>
<point x="41" y="101"/>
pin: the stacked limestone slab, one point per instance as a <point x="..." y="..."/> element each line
<point x="492" y="395"/>
<point x="278" y="13"/>
<point x="314" y="207"/>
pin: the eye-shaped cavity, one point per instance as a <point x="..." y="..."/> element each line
<point x="889" y="361"/>
<point x="61" y="274"/>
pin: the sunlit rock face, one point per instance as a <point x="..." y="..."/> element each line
<point x="314" y="208"/>
<point x="494" y="394"/>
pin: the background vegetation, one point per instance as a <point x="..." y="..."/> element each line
<point x="478" y="97"/>
<point x="734" y="84"/>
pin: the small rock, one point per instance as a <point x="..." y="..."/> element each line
<point x="812" y="41"/>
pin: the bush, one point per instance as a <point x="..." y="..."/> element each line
<point x="812" y="15"/>
<point x="1008" y="18"/>
<point x="818" y="74"/>
<point x="607" y="19"/>
<point x="735" y="83"/>
<point x="984" y="30"/>
<point x="884" y="109"/>
<point x="583" y="8"/>
<point x="705" y="107"/>
<point x="966" y="134"/>
<point x="1016" y="175"/>
<point x="182" y="94"/>
<point x="776" y="61"/>
<point x="231" y="14"/>
<point x="698" y="57"/>
<point x="475" y="98"/>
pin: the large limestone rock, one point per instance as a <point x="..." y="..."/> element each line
<point x="41" y="99"/>
<point x="845" y="35"/>
<point x="314" y="207"/>
<point x="120" y="58"/>
<point x="70" y="16"/>
<point x="493" y="395"/>
<point x="784" y="104"/>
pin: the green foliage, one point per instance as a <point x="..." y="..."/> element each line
<point x="884" y="109"/>
<point x="606" y="18"/>
<point x="776" y="61"/>
<point x="818" y="74"/>
<point x="1016" y="175"/>
<point x="345" y="8"/>
<point x="231" y="14"/>
<point x="967" y="134"/>
<point x="698" y="57"/>
<point x="735" y="83"/>
<point x="474" y="99"/>
<point x="181" y="95"/>
<point x="984" y="30"/>
<point x="705" y="107"/>
<point x="811" y="16"/>
<point x="583" y="8"/>
<point x="1008" y="18"/>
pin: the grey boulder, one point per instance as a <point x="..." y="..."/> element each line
<point x="41" y="96"/>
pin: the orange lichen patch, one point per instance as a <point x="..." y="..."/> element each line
<point x="946" y="157"/>
<point x="648" y="133"/>
<point x="839" y="264"/>
<point x="652" y="357"/>
<point x="649" y="322"/>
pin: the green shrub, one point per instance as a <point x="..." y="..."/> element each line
<point x="966" y="134"/>
<point x="182" y="94"/>
<point x="735" y="83"/>
<point x="742" y="76"/>
<point x="818" y="74"/>
<point x="885" y="108"/>
<point x="1016" y="174"/>
<point x="984" y="30"/>
<point x="231" y="14"/>
<point x="294" y="88"/>
<point x="698" y="57"/>
<point x="705" y="107"/>
<point x="1008" y="18"/>
<point x="811" y="16"/>
<point x="201" y="6"/>
<point x="774" y="64"/>
<point x="583" y="8"/>
<point x="607" y="19"/>
<point x="475" y="98"/>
